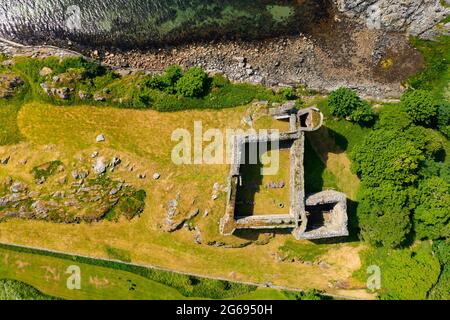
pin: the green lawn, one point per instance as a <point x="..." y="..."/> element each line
<point x="48" y="275"/>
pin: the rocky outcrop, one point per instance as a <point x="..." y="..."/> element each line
<point x="415" y="17"/>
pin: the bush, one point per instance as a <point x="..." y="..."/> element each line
<point x="192" y="83"/>
<point x="392" y="117"/>
<point x="288" y="93"/>
<point x="219" y="81"/>
<point x="345" y="103"/>
<point x="420" y="107"/>
<point x="168" y="103"/>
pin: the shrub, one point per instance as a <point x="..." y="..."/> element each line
<point x="345" y="103"/>
<point x="288" y="93"/>
<point x="219" y="81"/>
<point x="392" y="117"/>
<point x="46" y="170"/>
<point x="168" y="103"/>
<point x="192" y="83"/>
<point x="420" y="106"/>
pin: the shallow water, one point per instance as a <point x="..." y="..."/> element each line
<point x="147" y="22"/>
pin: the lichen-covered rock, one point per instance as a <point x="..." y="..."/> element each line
<point x="18" y="187"/>
<point x="415" y="17"/>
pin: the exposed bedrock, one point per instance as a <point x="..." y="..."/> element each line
<point x="415" y="17"/>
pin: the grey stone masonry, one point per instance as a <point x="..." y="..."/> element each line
<point x="327" y="207"/>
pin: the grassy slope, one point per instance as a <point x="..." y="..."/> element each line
<point x="48" y="275"/>
<point x="16" y="290"/>
<point x="71" y="131"/>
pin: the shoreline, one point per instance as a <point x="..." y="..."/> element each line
<point x="340" y="54"/>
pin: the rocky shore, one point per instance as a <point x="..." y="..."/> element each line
<point x="341" y="52"/>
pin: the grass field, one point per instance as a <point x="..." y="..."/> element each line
<point x="33" y="131"/>
<point x="43" y="277"/>
<point x="66" y="133"/>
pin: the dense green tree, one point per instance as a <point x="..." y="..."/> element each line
<point x="393" y="117"/>
<point x="420" y="106"/>
<point x="427" y="140"/>
<point x="387" y="155"/>
<point x="441" y="291"/>
<point x="345" y="103"/>
<point x="362" y="114"/>
<point x="384" y="215"/>
<point x="165" y="82"/>
<point x="192" y="83"/>
<point x="432" y="215"/>
<point x="443" y="118"/>
<point x="406" y="274"/>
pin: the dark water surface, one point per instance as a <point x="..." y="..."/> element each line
<point x="155" y="22"/>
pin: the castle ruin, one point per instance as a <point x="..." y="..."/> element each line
<point x="315" y="216"/>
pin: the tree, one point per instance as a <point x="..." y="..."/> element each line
<point x="443" y="118"/>
<point x="387" y="155"/>
<point x="362" y="114"/>
<point x="192" y="83"/>
<point x="406" y="274"/>
<point x="420" y="106"/>
<point x="345" y="103"/>
<point x="441" y="291"/>
<point x="432" y="215"/>
<point x="384" y="215"/>
<point x="392" y="117"/>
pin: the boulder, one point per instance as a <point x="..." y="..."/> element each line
<point x="45" y="71"/>
<point x="5" y="159"/>
<point x="83" y="95"/>
<point x="99" y="98"/>
<point x="156" y="176"/>
<point x="100" y="166"/>
<point x="100" y="138"/>
<point x="18" y="187"/>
